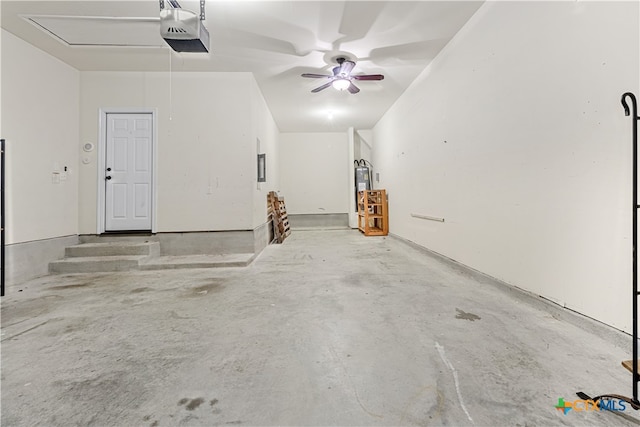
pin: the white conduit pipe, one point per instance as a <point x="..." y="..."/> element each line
<point x="430" y="218"/>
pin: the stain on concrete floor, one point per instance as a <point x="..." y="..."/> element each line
<point x="289" y="341"/>
<point x="466" y="316"/>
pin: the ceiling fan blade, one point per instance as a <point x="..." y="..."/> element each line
<point x="316" y="76"/>
<point x="324" y="86"/>
<point x="424" y="50"/>
<point x="357" y="19"/>
<point x="237" y="38"/>
<point x="368" y="77"/>
<point x="353" y="88"/>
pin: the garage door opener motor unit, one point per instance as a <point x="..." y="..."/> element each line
<point x="183" y="29"/>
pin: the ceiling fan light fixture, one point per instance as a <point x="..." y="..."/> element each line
<point x="341" y="79"/>
<point x="341" y="83"/>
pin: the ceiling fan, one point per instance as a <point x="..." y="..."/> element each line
<point x="342" y="78"/>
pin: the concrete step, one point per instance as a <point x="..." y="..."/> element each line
<point x="97" y="264"/>
<point x="113" y="249"/>
<point x="197" y="261"/>
<point x="102" y="238"/>
<point x="136" y="255"/>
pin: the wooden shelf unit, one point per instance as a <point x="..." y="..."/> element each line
<point x="373" y="216"/>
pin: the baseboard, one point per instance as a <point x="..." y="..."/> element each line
<point x="28" y="260"/>
<point x="262" y="235"/>
<point x="557" y="310"/>
<point x="311" y="221"/>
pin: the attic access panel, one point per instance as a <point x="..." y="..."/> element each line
<point x="100" y="30"/>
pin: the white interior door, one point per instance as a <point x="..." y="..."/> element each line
<point x="128" y="172"/>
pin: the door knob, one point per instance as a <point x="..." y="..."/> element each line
<point x="108" y="177"/>
<point x="108" y="169"/>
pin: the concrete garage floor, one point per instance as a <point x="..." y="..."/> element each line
<point x="330" y="328"/>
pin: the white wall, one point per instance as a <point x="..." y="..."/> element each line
<point x="206" y="152"/>
<point x="40" y="106"/>
<point x="363" y="144"/>
<point x="314" y="172"/>
<point x="267" y="133"/>
<point x="516" y="136"/>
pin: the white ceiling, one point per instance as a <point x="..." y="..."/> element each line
<point x="275" y="40"/>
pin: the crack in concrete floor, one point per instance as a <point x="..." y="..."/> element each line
<point x="329" y="328"/>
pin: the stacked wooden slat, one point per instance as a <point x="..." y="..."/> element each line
<point x="284" y="217"/>
<point x="277" y="212"/>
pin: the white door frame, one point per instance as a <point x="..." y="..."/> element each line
<point x="102" y="155"/>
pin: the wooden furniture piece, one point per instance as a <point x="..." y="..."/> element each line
<point x="373" y="217"/>
<point x="277" y="212"/>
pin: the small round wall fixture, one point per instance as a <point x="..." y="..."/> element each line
<point x="88" y="146"/>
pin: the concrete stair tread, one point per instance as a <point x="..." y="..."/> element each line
<point x="110" y="244"/>
<point x="137" y="255"/>
<point x="87" y="250"/>
<point x="103" y="258"/>
<point x="197" y="261"/>
<point x="96" y="264"/>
